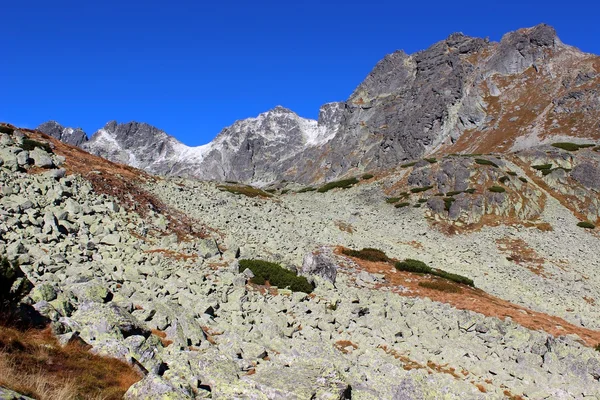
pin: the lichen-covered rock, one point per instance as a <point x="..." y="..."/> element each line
<point x="320" y="264"/>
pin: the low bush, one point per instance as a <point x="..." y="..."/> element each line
<point x="343" y="184"/>
<point x="572" y="146"/>
<point x="454" y="277"/>
<point x="284" y="191"/>
<point x="407" y="165"/>
<point x="504" y="179"/>
<point x="306" y="189"/>
<point x="497" y="189"/>
<point x="431" y="160"/>
<point x="448" y="202"/>
<point x="29" y="144"/>
<point x="420" y="267"/>
<point x="6" y="129"/>
<point x="453" y="193"/>
<point x="392" y="200"/>
<point x="483" y="161"/>
<point x="549" y="171"/>
<point x="441" y="286"/>
<point x="541" y="167"/>
<point x="422" y="201"/>
<point x="244" y="190"/>
<point x="276" y="275"/>
<point x="410" y="265"/>
<point x="367" y="176"/>
<point x="421" y="189"/>
<point x="418" y="205"/>
<point x="470" y="190"/>
<point x="586" y="225"/>
<point x="369" y="254"/>
<point x="511" y="173"/>
<point x="400" y="205"/>
<point x="522" y="179"/>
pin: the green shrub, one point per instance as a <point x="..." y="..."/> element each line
<point x="511" y="173"/>
<point x="504" y="179"/>
<point x="6" y="129"/>
<point x="392" y="200"/>
<point x="418" y="205"/>
<point x="549" y="171"/>
<point x="284" y="191"/>
<point x="410" y="265"/>
<point x="344" y="184"/>
<point x="586" y="225"/>
<point x="244" y="190"/>
<point x="400" y="205"/>
<point x="367" y="176"/>
<point x="522" y="179"/>
<point x="369" y="254"/>
<point x="454" y="277"/>
<point x="441" y="286"/>
<point x="420" y="267"/>
<point x="571" y="146"/>
<point x="448" y="202"/>
<point x="271" y="191"/>
<point x="422" y="201"/>
<point x="306" y="189"/>
<point x="453" y="193"/>
<point x="470" y="190"/>
<point x="407" y="165"/>
<point x="276" y="275"/>
<point x="541" y="167"/>
<point x="431" y="160"/>
<point x="29" y="145"/>
<point x="597" y="348"/>
<point x="497" y="189"/>
<point x="421" y="189"/>
<point x="597" y="148"/>
<point x="483" y="161"/>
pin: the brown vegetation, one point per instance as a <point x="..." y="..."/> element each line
<point x="34" y="364"/>
<point x="472" y="299"/>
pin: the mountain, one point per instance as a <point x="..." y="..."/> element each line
<point x="478" y="277"/>
<point x="462" y="95"/>
<point x="74" y="136"/>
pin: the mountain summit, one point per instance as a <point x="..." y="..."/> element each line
<point x="462" y="94"/>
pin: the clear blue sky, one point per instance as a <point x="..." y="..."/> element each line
<point x="194" y="67"/>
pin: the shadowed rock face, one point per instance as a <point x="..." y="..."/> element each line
<point x="407" y="107"/>
<point x="76" y="136"/>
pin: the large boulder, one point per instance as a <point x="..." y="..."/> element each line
<point x="321" y="264"/>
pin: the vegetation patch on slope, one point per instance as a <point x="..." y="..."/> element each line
<point x="343" y="184"/>
<point x="276" y="275"/>
<point x="244" y="190"/>
<point x="368" y="254"/>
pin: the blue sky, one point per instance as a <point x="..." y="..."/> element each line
<point x="192" y="68"/>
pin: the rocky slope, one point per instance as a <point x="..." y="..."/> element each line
<point x="145" y="269"/>
<point x="463" y="94"/>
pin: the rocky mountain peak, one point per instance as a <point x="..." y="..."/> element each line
<point x="74" y="136"/>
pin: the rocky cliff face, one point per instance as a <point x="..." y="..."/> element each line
<point x="463" y="94"/>
<point x="74" y="136"/>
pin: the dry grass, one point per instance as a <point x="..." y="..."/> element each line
<point x="173" y="254"/>
<point x="345" y="346"/>
<point x="344" y="227"/>
<point x="441" y="286"/>
<point x="520" y="253"/>
<point x="34" y="364"/>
